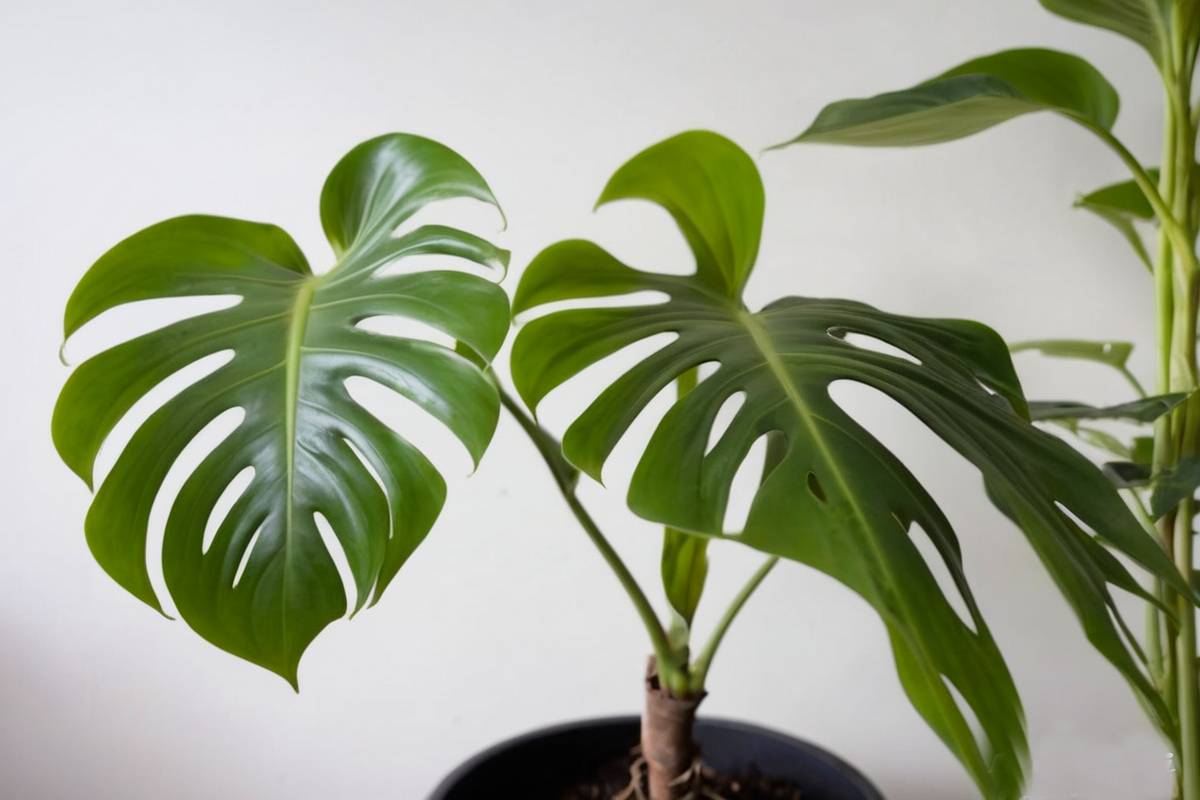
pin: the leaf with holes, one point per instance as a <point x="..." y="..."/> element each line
<point x="837" y="500"/>
<point x="266" y="585"/>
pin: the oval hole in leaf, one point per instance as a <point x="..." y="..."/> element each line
<point x="130" y="320"/>
<point x="236" y="488"/>
<point x="406" y="418"/>
<point x="815" y="488"/>
<point x="864" y="342"/>
<point x="934" y="561"/>
<point x="334" y="548"/>
<point x="405" y="328"/>
<point x="646" y="297"/>
<point x="210" y="436"/>
<point x="725" y="415"/>
<point x="744" y="487"/>
<point x="245" y="559"/>
<point x="118" y="438"/>
<point x="561" y="405"/>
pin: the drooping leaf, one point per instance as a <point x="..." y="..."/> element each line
<point x="1122" y="205"/>
<point x="1145" y="409"/>
<point x="970" y="98"/>
<point x="1173" y="485"/>
<point x="837" y="500"/>
<point x="1113" y="354"/>
<point x="1143" y="21"/>
<point x="1122" y="199"/>
<point x="265" y="585"/>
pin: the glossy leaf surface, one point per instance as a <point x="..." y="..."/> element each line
<point x="266" y="584"/>
<point x="837" y="500"/>
<point x="970" y="98"/>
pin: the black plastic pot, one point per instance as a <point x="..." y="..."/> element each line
<point x="540" y="764"/>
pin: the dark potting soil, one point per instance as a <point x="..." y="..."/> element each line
<point x="613" y="782"/>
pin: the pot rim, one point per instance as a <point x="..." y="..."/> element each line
<point x="548" y="731"/>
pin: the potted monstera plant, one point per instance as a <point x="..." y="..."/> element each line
<point x="262" y="584"/>
<point x="1156" y="470"/>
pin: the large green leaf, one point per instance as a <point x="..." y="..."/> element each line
<point x="1143" y="21"/>
<point x="838" y="499"/>
<point x="266" y="584"/>
<point x="970" y="98"/>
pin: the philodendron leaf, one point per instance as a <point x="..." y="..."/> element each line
<point x="265" y="585"/>
<point x="970" y="98"/>
<point x="1145" y="409"/>
<point x="1143" y="21"/>
<point x="837" y="499"/>
<point x="1173" y="485"/>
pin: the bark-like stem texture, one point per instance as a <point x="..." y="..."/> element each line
<point x="667" y="743"/>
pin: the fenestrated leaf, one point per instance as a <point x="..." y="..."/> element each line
<point x="1143" y="21"/>
<point x="970" y="98"/>
<point x="1145" y="409"/>
<point x="837" y="500"/>
<point x="266" y="585"/>
<point x="1173" y="485"/>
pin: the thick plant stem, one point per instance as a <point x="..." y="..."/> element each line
<point x="1177" y="436"/>
<point x="565" y="477"/>
<point x="667" y="741"/>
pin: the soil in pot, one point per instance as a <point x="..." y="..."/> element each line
<point x="596" y="756"/>
<point x="616" y="779"/>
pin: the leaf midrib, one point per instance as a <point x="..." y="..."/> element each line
<point x="297" y="327"/>
<point x="762" y="341"/>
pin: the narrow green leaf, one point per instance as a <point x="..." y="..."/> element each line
<point x="1114" y="354"/>
<point x="970" y="98"/>
<point x="1146" y="409"/>
<point x="1122" y="199"/>
<point x="266" y="585"/>
<point x="1173" y="485"/>
<point x="1142" y="21"/>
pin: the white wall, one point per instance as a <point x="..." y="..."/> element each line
<point x="117" y="114"/>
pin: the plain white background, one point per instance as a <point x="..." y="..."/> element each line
<point x="118" y="114"/>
